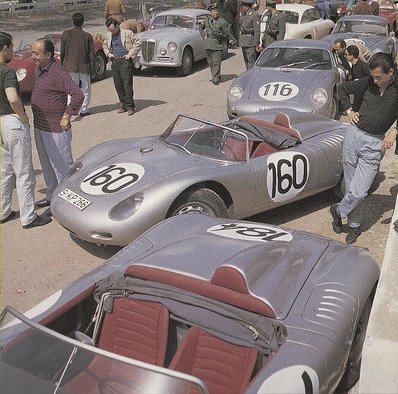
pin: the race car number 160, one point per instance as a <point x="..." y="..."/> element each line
<point x="287" y="175"/>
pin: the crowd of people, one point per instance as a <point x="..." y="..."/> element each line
<point x="63" y="89"/>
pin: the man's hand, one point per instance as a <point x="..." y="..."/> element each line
<point x="389" y="138"/>
<point x="65" y="122"/>
<point x="353" y="116"/>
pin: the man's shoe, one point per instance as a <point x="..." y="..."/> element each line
<point x="43" y="203"/>
<point x="130" y="111"/>
<point x="9" y="217"/>
<point x="121" y="111"/>
<point x="39" y="221"/>
<point x="353" y="235"/>
<point x="336" y="223"/>
<point x="83" y="114"/>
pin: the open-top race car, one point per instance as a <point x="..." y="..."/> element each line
<point x="200" y="305"/>
<point x="236" y="169"/>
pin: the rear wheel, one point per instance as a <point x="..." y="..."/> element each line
<point x="200" y="201"/>
<point x="100" y="62"/>
<point x="186" y="63"/>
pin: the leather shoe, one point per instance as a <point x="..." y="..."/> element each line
<point x="336" y="223"/>
<point x="353" y="235"/>
<point x="83" y="114"/>
<point x="39" y="221"/>
<point x="121" y="111"/>
<point x="43" y="203"/>
<point x="130" y="111"/>
<point x="9" y="217"/>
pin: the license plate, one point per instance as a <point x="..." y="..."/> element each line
<point x="73" y="198"/>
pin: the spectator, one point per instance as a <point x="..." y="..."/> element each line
<point x="77" y="57"/>
<point x="372" y="114"/>
<point x="375" y="7"/>
<point x="215" y="31"/>
<point x="363" y="8"/>
<point x="122" y="47"/>
<point x="359" y="68"/>
<point x="115" y="9"/>
<point x="51" y="115"/>
<point x="16" y="146"/>
<point x="323" y="8"/>
<point x="275" y="25"/>
<point x="229" y="11"/>
<point x="134" y="25"/>
<point x="339" y="49"/>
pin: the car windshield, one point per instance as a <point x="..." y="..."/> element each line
<point x="295" y="58"/>
<point x="38" y="360"/>
<point x="361" y="27"/>
<point x="183" y="21"/>
<point x="207" y="139"/>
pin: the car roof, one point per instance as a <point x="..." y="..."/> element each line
<point x="300" y="43"/>
<point x="300" y="8"/>
<point x="194" y="12"/>
<point x="365" y="18"/>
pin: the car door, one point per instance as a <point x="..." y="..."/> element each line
<point x="198" y="44"/>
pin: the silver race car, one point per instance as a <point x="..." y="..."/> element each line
<point x="201" y="305"/>
<point x="238" y="168"/>
<point x="300" y="74"/>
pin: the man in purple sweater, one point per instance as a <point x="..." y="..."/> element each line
<point x="51" y="115"/>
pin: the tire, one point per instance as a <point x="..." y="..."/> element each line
<point x="200" y="201"/>
<point x="100" y="62"/>
<point x="351" y="374"/>
<point x="334" y="113"/>
<point x="187" y="63"/>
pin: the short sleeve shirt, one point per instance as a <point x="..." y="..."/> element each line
<point x="8" y="79"/>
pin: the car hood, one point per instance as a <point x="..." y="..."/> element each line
<point x="305" y="83"/>
<point x="166" y="34"/>
<point x="370" y="40"/>
<point x="152" y="159"/>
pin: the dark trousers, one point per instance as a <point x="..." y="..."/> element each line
<point x="214" y="59"/>
<point x="250" y="56"/>
<point x="122" y="72"/>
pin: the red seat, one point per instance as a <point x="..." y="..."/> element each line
<point x="224" y="367"/>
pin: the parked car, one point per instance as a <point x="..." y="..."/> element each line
<point x="201" y="305"/>
<point x="236" y="169"/>
<point x="302" y="21"/>
<point x="174" y="40"/>
<point x="374" y="31"/>
<point x="300" y="74"/>
<point x="389" y="9"/>
<point x="24" y="64"/>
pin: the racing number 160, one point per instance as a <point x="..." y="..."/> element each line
<point x="287" y="174"/>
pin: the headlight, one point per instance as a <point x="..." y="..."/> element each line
<point x="75" y="168"/>
<point x="172" y="46"/>
<point x="21" y="74"/>
<point x="163" y="51"/>
<point x="235" y="93"/>
<point x="126" y="208"/>
<point x="320" y="96"/>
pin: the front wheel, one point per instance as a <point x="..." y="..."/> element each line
<point x="204" y="201"/>
<point x="186" y="63"/>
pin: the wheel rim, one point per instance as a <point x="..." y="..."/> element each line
<point x="194" y="208"/>
<point x="99" y="66"/>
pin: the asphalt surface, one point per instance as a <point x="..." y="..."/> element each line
<point x="37" y="262"/>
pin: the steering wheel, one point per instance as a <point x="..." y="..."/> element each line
<point x="223" y="145"/>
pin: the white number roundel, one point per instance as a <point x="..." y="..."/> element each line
<point x="112" y="178"/>
<point x="287" y="175"/>
<point x="278" y="91"/>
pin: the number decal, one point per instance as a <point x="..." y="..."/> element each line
<point x="248" y="232"/>
<point x="112" y="178"/>
<point x="278" y="91"/>
<point x="287" y="175"/>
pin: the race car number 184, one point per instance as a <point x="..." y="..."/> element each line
<point x="287" y="175"/>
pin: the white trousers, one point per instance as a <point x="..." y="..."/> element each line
<point x="55" y="154"/>
<point x="84" y="81"/>
<point x="17" y="168"/>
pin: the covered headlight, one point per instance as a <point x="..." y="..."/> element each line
<point x="75" y="168"/>
<point x="320" y="96"/>
<point x="172" y="46"/>
<point x="126" y="208"/>
<point x="235" y="93"/>
<point x="21" y="74"/>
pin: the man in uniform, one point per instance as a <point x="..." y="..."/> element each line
<point x="229" y="11"/>
<point x="275" y="27"/>
<point x="249" y="38"/>
<point x="215" y="31"/>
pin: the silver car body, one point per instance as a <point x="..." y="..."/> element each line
<point x="170" y="34"/>
<point x="119" y="189"/>
<point x="300" y="74"/>
<point x="293" y="296"/>
<point x="374" y="32"/>
<point x="302" y="21"/>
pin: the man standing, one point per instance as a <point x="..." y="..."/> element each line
<point x="275" y="27"/>
<point x="115" y="9"/>
<point x="249" y="38"/>
<point x="359" y="68"/>
<point x="215" y="31"/>
<point x="77" y="57"/>
<point x="51" y="115"/>
<point x="229" y="11"/>
<point x="374" y="111"/>
<point x="122" y="47"/>
<point x="339" y="49"/>
<point x="363" y="8"/>
<point x="16" y="147"/>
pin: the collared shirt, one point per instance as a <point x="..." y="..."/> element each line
<point x="49" y="99"/>
<point x="8" y="79"/>
<point x="117" y="46"/>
